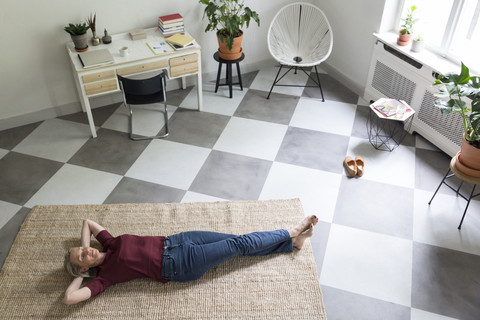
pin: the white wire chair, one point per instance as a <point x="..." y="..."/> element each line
<point x="299" y="36"/>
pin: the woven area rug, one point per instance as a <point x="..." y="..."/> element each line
<point x="281" y="286"/>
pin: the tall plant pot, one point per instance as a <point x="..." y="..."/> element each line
<point x="80" y="42"/>
<point x="469" y="159"/>
<point x="225" y="53"/>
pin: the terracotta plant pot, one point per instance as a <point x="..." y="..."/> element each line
<point x="225" y="53"/>
<point x="403" y="39"/>
<point x="470" y="156"/>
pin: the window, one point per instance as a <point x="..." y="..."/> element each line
<point x="451" y="27"/>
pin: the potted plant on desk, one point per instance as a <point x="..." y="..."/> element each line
<point x="228" y="17"/>
<point x="78" y="33"/>
<point x="452" y="98"/>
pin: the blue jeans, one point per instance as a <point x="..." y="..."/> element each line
<point x="188" y="255"/>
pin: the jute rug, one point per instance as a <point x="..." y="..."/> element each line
<point x="281" y="286"/>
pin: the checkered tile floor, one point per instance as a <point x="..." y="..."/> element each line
<point x="381" y="251"/>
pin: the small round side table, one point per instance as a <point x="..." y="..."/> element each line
<point x="229" y="77"/>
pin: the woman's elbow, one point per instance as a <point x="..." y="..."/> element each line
<point x="66" y="300"/>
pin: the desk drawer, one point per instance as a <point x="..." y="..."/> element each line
<point x="147" y="66"/>
<point x="110" y="74"/>
<point x="183" y="60"/>
<point x="101" y="86"/>
<point x="184" y="69"/>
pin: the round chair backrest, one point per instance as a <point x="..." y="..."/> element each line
<point x="300" y="31"/>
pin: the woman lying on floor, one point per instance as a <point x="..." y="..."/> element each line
<point x="181" y="257"/>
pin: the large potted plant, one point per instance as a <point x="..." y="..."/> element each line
<point x="227" y="17"/>
<point x="407" y="28"/>
<point x="78" y="33"/>
<point x="460" y="93"/>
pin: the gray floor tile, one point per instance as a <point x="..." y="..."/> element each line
<point x="446" y="282"/>
<point x="9" y="231"/>
<point x="359" y="129"/>
<point x="100" y="115"/>
<point x="232" y="177"/>
<point x="11" y="137"/>
<point x="23" y="175"/>
<point x="247" y="78"/>
<point x="313" y="149"/>
<point x="111" y="151"/>
<point x="342" y="305"/>
<point x="131" y="190"/>
<point x="332" y="90"/>
<point x="376" y="207"/>
<point x="279" y="108"/>
<point x="201" y="129"/>
<point x="319" y="242"/>
<point x="176" y="97"/>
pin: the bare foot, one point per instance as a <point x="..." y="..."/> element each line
<point x="298" y="241"/>
<point x="303" y="226"/>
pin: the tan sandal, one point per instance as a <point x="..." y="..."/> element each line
<point x="350" y="166"/>
<point x="360" y="164"/>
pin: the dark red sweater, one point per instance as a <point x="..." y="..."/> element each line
<point x="128" y="257"/>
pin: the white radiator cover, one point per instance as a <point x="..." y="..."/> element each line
<point x="394" y="75"/>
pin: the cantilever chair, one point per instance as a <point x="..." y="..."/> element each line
<point x="299" y="37"/>
<point x="144" y="91"/>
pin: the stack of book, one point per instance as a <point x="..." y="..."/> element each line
<point x="171" y="24"/>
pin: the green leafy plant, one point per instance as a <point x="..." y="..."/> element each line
<point x="419" y="37"/>
<point x="228" y="17"/>
<point x="76" y="29"/>
<point x="409" y="21"/>
<point x="454" y="89"/>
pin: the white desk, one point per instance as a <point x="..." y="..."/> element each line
<point x="102" y="80"/>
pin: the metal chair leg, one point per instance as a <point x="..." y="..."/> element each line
<point x="274" y="81"/>
<point x="429" y="202"/>
<point x="319" y="85"/>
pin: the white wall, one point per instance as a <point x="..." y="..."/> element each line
<point x="36" y="81"/>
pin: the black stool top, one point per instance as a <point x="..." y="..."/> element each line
<point x="218" y="59"/>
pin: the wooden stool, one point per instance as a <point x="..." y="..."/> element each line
<point x="463" y="177"/>
<point x="229" y="72"/>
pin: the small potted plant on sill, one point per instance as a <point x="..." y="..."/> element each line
<point x="418" y="44"/>
<point x="454" y="89"/>
<point x="407" y="28"/>
<point x="78" y="33"/>
<point x="228" y="17"/>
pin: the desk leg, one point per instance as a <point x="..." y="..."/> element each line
<point x="88" y="110"/>
<point x="184" y="83"/>
<point x="199" y="84"/>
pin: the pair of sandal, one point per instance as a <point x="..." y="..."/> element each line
<point x="354" y="167"/>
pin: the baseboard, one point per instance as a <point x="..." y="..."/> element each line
<point x="356" y="87"/>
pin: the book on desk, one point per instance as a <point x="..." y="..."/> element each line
<point x="95" y="58"/>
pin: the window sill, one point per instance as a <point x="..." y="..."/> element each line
<point x="426" y="57"/>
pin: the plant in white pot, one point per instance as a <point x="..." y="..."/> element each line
<point x="228" y="17"/>
<point x="78" y="33"/>
<point x="453" y="96"/>
<point x="418" y="44"/>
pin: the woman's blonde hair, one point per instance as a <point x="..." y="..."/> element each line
<point x="74" y="269"/>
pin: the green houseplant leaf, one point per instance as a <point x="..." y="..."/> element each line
<point x="228" y="17"/>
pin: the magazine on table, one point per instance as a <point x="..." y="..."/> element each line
<point x="160" y="47"/>
<point x="388" y="107"/>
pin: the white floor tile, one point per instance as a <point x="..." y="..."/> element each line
<point x="372" y="264"/>
<point x="219" y="102"/>
<point x="252" y="138"/>
<point x="3" y="152"/>
<point x="264" y="80"/>
<point x="75" y="185"/>
<point x="436" y="224"/>
<point x="316" y="189"/>
<point x="148" y="119"/>
<point x="198" y="197"/>
<point x="7" y="211"/>
<point x="417" y="314"/>
<point x="329" y="116"/>
<point x="169" y="163"/>
<point x="55" y="139"/>
<point x="396" y="167"/>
